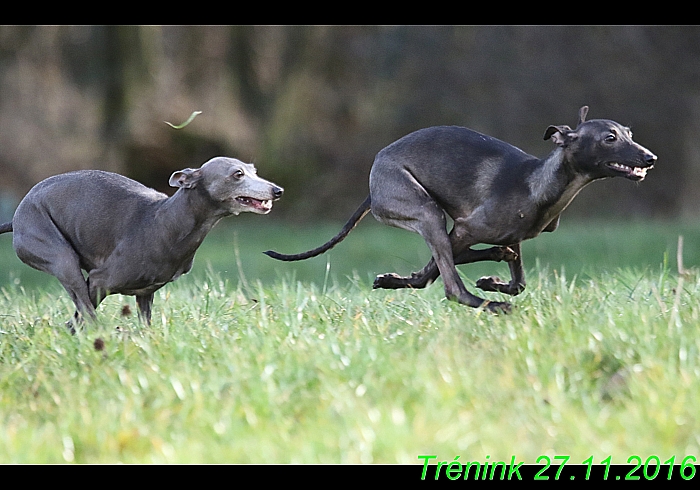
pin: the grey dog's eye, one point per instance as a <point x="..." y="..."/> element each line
<point x="238" y="174"/>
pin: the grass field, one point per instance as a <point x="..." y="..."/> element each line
<point x="250" y="360"/>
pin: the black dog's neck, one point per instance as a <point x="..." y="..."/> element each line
<point x="553" y="176"/>
<point x="554" y="184"/>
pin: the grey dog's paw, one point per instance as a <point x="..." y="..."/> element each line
<point x="70" y="325"/>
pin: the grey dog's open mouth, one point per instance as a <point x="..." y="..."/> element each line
<point x="263" y="206"/>
<point x="634" y="173"/>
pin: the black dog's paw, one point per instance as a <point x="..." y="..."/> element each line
<point x="387" y="281"/>
<point x="498" y="307"/>
<point x="394" y="281"/>
<point x="508" y="254"/>
<point x="490" y="283"/>
<point x="493" y="283"/>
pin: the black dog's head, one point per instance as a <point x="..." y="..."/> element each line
<point x="602" y="148"/>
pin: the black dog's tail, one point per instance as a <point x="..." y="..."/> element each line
<point x="352" y="222"/>
<point x="6" y="227"/>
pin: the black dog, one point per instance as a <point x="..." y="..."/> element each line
<point x="495" y="193"/>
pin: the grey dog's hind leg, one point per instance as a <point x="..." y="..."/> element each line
<point x="145" y="302"/>
<point x="46" y="249"/>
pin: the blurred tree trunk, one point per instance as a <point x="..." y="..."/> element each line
<point x="122" y="71"/>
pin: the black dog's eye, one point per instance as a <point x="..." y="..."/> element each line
<point x="610" y="138"/>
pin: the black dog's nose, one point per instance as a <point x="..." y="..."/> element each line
<point x="277" y="192"/>
<point x="650" y="158"/>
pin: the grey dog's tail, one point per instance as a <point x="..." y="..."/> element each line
<point x="6" y="227"/>
<point x="352" y="222"/>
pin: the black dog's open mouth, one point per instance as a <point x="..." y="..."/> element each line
<point x="257" y="204"/>
<point x="633" y="173"/>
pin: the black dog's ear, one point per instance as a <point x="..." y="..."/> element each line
<point x="186" y="178"/>
<point x="582" y="113"/>
<point x="560" y="134"/>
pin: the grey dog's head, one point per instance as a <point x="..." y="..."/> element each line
<point x="232" y="184"/>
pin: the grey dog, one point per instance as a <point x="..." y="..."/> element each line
<point x="495" y="194"/>
<point x="130" y="239"/>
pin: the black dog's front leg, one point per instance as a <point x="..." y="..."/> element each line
<point x="517" y="274"/>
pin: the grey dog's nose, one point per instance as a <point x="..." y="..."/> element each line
<point x="277" y="192"/>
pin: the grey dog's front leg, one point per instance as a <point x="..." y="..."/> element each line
<point x="517" y="274"/>
<point x="144" y="303"/>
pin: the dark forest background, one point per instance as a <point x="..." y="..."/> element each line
<point x="312" y="105"/>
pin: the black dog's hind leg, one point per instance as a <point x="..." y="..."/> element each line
<point x="406" y="204"/>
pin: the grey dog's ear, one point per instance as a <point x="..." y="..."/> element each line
<point x="186" y="178"/>
<point x="582" y="113"/>
<point x="559" y="134"/>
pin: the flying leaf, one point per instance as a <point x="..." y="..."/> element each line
<point x="189" y="120"/>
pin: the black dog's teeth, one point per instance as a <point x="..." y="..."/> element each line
<point x="636" y="171"/>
